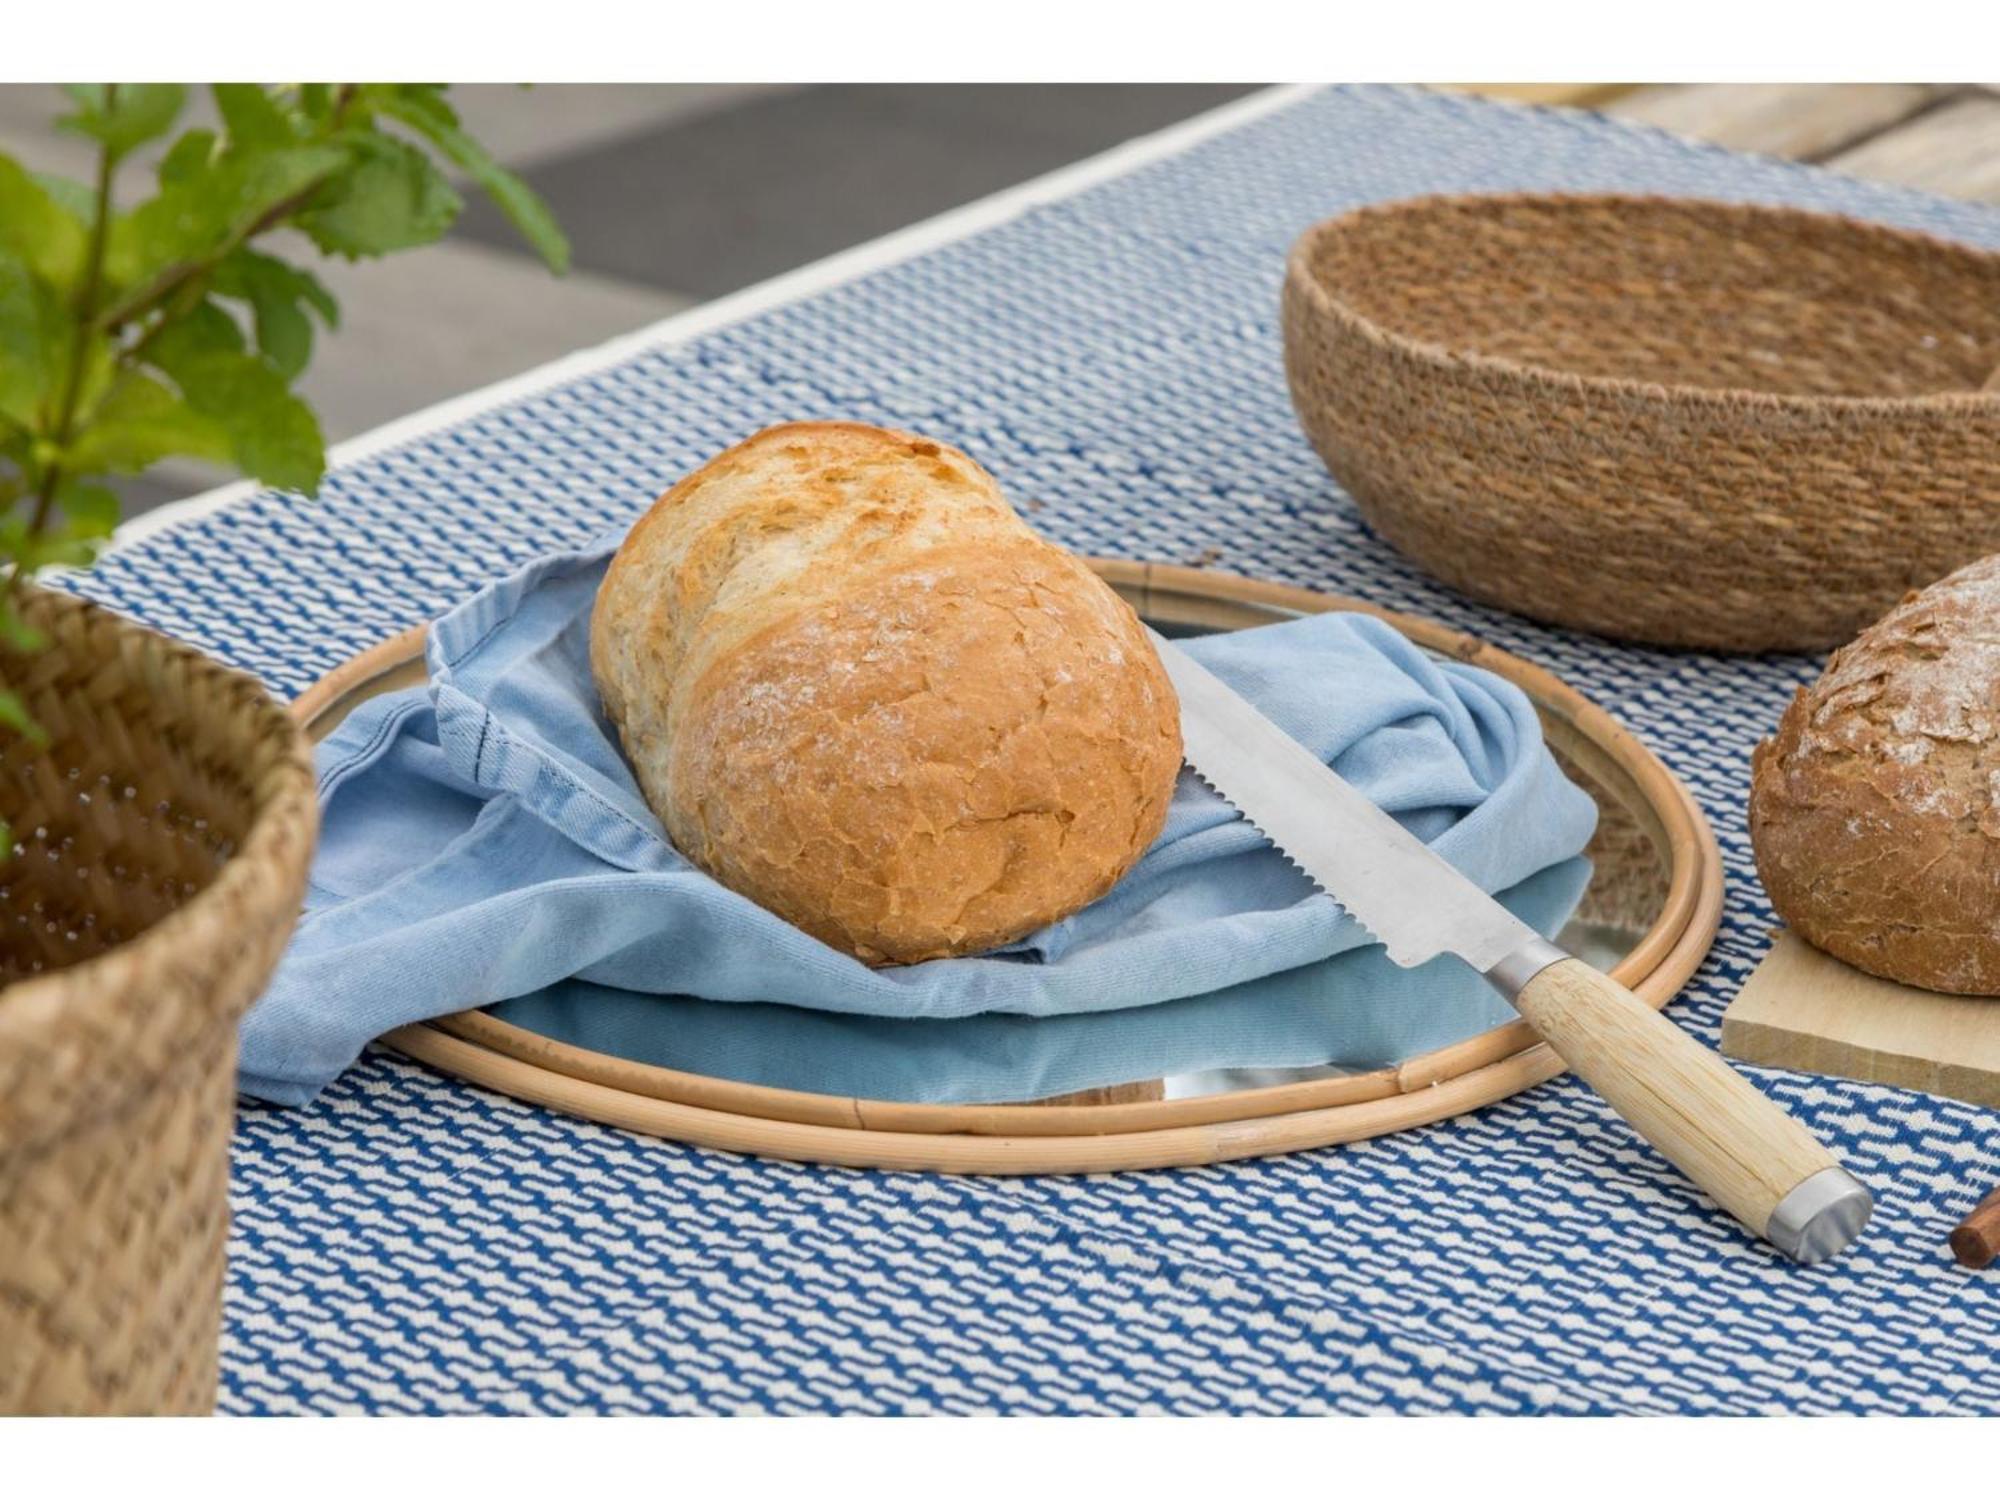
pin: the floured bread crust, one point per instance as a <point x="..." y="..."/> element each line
<point x="857" y="689"/>
<point x="1875" y="810"/>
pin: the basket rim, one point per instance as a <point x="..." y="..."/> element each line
<point x="285" y="808"/>
<point x="1301" y="278"/>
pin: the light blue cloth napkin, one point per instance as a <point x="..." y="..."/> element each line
<point x="485" y="845"/>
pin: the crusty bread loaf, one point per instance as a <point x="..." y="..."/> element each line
<point x="859" y="690"/>
<point x="1875" y="810"/>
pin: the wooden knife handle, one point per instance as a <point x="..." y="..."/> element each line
<point x="1976" y="1241"/>
<point x="1751" y="1157"/>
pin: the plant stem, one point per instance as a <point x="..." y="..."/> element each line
<point x="143" y="301"/>
<point x="86" y="316"/>
<point x="171" y="280"/>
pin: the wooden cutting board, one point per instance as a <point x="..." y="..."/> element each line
<point x="1804" y="1010"/>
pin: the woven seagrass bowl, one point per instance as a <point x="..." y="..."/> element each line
<point x="1667" y="420"/>
<point x="162" y="834"/>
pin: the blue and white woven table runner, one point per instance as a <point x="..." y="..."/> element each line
<point x="412" y="1244"/>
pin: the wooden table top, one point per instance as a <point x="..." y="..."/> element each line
<point x="1941" y="137"/>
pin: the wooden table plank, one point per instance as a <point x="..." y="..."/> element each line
<point x="1809" y="121"/>
<point x="1579" y="94"/>
<point x="1952" y="149"/>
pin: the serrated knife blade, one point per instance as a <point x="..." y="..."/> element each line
<point x="1755" y="1160"/>
<point x="1413" y="900"/>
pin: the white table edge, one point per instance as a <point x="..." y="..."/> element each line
<point x="902" y="244"/>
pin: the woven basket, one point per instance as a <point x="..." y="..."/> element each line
<point x="1696" y="424"/>
<point x="162" y="836"/>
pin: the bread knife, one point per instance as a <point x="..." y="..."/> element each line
<point x="1751" y="1157"/>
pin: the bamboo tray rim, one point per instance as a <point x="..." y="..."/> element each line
<point x="847" y="1130"/>
<point x="1329" y="304"/>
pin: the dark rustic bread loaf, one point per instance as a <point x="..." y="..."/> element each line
<point x="1875" y="810"/>
<point x="859" y="690"/>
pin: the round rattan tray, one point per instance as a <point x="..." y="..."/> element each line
<point x="1649" y="917"/>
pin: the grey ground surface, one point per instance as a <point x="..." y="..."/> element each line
<point x="702" y="206"/>
<point x="671" y="194"/>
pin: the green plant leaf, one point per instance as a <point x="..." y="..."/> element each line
<point x="91" y="509"/>
<point x="312" y="291"/>
<point x="59" y="547"/>
<point x="423" y="108"/>
<point x="201" y="213"/>
<point x="272" y="435"/>
<point x="22" y="368"/>
<point x="284" y="333"/>
<point x="125" y="116"/>
<point x="55" y="545"/>
<point x="32" y="334"/>
<point x="204" y="328"/>
<point x="15" y="632"/>
<point x="138" y="423"/>
<point x="187" y="156"/>
<point x="38" y="228"/>
<point x="14" y="715"/>
<point x="316" y="101"/>
<point x="254" y="119"/>
<point x="392" y="199"/>
<point x="278" y="294"/>
<point x="72" y="197"/>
